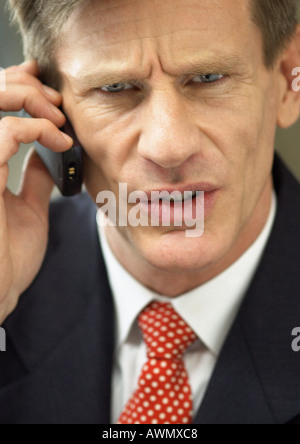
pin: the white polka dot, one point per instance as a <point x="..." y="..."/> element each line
<point x="169" y="409"/>
<point x="148" y="376"/>
<point x="154" y="384"/>
<point x="180" y="411"/>
<point x="172" y="394"/>
<point x="162" y="378"/>
<point x="165" y="401"/>
<point x="147" y="390"/>
<point x="146" y="404"/>
<point x="160" y="392"/>
<point x="162" y="416"/>
<point x="186" y="405"/>
<point x="174" y="418"/>
<point x="168" y="386"/>
<point x="162" y="339"/>
<point x="157" y="407"/>
<point x="152" y="398"/>
<point x="176" y="403"/>
<point x="185" y="420"/>
<point x="156" y="371"/>
<point x="140" y="409"/>
<point x="150" y="413"/>
<point x="154" y="421"/>
<point x="143" y="419"/>
<point x="141" y="395"/>
<point x="163" y="364"/>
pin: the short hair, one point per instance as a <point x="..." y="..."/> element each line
<point x="40" y="23"/>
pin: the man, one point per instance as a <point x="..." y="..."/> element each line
<point x="163" y="96"/>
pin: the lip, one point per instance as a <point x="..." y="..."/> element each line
<point x="203" y="186"/>
<point x="174" y="211"/>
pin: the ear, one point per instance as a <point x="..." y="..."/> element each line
<point x="289" y="65"/>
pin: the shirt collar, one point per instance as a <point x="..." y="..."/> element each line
<point x="209" y="309"/>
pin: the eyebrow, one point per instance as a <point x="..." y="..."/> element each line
<point x="219" y="64"/>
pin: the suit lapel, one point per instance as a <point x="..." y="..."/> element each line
<point x="256" y="379"/>
<point x="62" y="333"/>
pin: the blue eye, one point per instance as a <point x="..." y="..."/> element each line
<point x="116" y="87"/>
<point x="208" y="78"/>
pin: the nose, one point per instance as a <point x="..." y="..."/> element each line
<point x="169" y="135"/>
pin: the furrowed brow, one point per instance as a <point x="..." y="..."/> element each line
<point x="215" y="65"/>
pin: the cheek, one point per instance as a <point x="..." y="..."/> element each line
<point x="107" y="140"/>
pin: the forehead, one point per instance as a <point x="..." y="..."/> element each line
<point x="135" y="32"/>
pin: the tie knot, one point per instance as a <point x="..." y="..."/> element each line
<point x="165" y="333"/>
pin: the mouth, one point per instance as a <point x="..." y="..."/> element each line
<point x="180" y="206"/>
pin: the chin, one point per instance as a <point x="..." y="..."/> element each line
<point x="174" y="252"/>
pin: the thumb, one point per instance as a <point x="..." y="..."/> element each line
<point x="36" y="184"/>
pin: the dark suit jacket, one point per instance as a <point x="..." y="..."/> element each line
<point x="58" y="363"/>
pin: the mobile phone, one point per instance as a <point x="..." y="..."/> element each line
<point x="66" y="169"/>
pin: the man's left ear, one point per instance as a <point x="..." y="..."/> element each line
<point x="289" y="65"/>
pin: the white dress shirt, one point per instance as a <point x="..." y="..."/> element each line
<point x="209" y="310"/>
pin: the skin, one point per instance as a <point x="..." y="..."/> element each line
<point x="167" y="131"/>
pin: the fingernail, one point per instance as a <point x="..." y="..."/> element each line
<point x="67" y="138"/>
<point x="51" y="92"/>
<point x="55" y="110"/>
<point x="27" y="62"/>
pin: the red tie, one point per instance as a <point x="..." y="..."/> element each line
<point x="164" y="394"/>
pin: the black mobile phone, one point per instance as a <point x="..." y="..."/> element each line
<point x="66" y="169"/>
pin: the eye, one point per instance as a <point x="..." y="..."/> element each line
<point x="208" y="78"/>
<point x="116" y="87"/>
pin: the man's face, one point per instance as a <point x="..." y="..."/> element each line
<point x="192" y="108"/>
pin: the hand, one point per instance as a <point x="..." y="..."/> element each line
<point x="24" y="217"/>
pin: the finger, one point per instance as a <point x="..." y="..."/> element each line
<point x="14" y="130"/>
<point x="4" y="170"/>
<point x="16" y="97"/>
<point x="29" y="66"/>
<point x="36" y="185"/>
<point x="24" y="78"/>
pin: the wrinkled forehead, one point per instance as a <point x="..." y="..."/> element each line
<point x="132" y="32"/>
